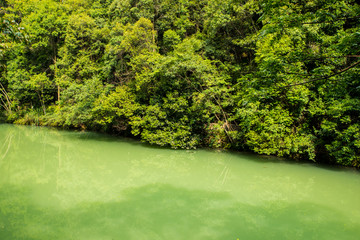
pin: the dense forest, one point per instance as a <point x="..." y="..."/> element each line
<point x="276" y="77"/>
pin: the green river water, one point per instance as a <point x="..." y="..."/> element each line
<point x="80" y="185"/>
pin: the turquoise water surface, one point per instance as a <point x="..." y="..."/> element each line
<point x="81" y="185"/>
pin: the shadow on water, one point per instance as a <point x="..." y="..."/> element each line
<point x="262" y="159"/>
<point x="63" y="137"/>
<point x="161" y="211"/>
<point x="102" y="137"/>
<point x="266" y="159"/>
<point x="336" y="168"/>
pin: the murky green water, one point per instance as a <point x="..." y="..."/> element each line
<point x="71" y="185"/>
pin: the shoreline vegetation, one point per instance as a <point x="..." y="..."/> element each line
<point x="272" y="77"/>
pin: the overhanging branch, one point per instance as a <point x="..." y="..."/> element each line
<point x="326" y="77"/>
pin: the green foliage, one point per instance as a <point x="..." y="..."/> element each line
<point x="78" y="101"/>
<point x="272" y="131"/>
<point x="170" y="39"/>
<point x="114" y="110"/>
<point x="155" y="128"/>
<point x="338" y="132"/>
<point x="231" y="28"/>
<point x="139" y="38"/>
<point x="166" y="87"/>
<point x="273" y="77"/>
<point x="84" y="46"/>
<point x="302" y="42"/>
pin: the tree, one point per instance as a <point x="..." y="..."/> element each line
<point x="10" y="32"/>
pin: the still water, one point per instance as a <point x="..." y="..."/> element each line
<point x="80" y="185"/>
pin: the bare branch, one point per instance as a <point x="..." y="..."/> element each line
<point x="326" y="77"/>
<point x="335" y="20"/>
<point x="315" y="22"/>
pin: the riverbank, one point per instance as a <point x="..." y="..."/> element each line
<point x="41" y="120"/>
